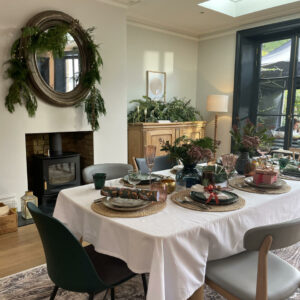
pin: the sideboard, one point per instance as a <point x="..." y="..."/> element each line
<point x="142" y="134"/>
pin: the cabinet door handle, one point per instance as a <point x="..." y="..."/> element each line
<point x="45" y="185"/>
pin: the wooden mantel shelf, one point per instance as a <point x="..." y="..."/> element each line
<point x="142" y="134"/>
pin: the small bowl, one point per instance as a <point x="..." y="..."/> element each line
<point x="170" y="184"/>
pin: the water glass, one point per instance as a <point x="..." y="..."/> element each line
<point x="162" y="190"/>
<point x="229" y="161"/>
<point x="99" y="180"/>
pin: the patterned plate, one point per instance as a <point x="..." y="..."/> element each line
<point x="144" y="178"/>
<point x="199" y="197"/>
<point x="276" y="185"/>
<point x="125" y="202"/>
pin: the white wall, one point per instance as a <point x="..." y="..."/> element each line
<point x="216" y="76"/>
<point x="110" y="142"/>
<point x="157" y="51"/>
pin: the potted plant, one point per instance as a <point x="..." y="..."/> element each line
<point x="246" y="141"/>
<point x="189" y="152"/>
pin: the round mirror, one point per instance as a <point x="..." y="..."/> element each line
<point x="58" y="79"/>
<point x="62" y="74"/>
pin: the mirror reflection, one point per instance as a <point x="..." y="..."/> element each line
<point x="61" y="73"/>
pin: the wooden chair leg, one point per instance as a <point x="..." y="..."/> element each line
<point x="112" y="294"/>
<point x="199" y="294"/>
<point x="104" y="298"/>
<point x="262" y="270"/>
<point x="91" y="296"/>
<point x="54" y="293"/>
<point x="144" y="284"/>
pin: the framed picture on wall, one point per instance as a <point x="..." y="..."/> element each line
<point x="156" y="85"/>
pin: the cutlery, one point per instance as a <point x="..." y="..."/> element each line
<point x="99" y="200"/>
<point x="191" y="202"/>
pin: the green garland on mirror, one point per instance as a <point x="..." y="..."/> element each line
<point x="55" y="40"/>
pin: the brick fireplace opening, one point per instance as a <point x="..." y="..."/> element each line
<point x="55" y="161"/>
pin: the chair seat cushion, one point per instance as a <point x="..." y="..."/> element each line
<point x="237" y="275"/>
<point x="111" y="270"/>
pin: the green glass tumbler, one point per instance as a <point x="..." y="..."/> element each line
<point x="283" y="161"/>
<point x="99" y="180"/>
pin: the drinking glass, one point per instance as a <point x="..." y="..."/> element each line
<point x="134" y="177"/>
<point x="161" y="189"/>
<point x="229" y="161"/>
<point x="150" y="152"/>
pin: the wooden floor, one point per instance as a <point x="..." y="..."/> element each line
<point x="20" y="250"/>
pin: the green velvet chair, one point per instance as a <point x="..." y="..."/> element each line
<point x="76" y="268"/>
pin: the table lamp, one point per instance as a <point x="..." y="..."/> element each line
<point x="216" y="103"/>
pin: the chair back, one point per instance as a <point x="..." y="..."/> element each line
<point x="160" y="163"/>
<point x="68" y="264"/>
<point x="112" y="170"/>
<point x="283" y="234"/>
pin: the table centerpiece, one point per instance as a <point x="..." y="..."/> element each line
<point x="189" y="152"/>
<point x="246" y="141"/>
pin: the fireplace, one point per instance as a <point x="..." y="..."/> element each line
<point x="52" y="174"/>
<point x="55" y="162"/>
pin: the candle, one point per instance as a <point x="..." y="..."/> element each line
<point x="138" y="109"/>
<point x="145" y="111"/>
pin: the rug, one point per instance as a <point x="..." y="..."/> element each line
<point x="34" y="284"/>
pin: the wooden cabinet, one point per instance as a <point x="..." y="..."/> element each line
<point x="142" y="134"/>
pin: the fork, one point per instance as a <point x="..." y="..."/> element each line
<point x="190" y="201"/>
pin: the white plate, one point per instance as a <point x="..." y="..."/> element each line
<point x="107" y="203"/>
<point x="276" y="185"/>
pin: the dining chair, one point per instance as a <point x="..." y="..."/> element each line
<point x="160" y="163"/>
<point x="257" y="274"/>
<point x="112" y="170"/>
<point x="296" y="151"/>
<point x="76" y="268"/>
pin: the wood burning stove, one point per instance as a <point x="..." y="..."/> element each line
<point x="53" y="173"/>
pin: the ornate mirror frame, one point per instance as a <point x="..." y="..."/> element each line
<point x="44" y="21"/>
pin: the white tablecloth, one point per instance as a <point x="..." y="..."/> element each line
<point x="174" y="244"/>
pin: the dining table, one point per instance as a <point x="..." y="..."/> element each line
<point x="175" y="244"/>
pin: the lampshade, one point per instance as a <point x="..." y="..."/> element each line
<point x="217" y="103"/>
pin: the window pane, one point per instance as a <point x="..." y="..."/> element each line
<point x="275" y="59"/>
<point x="276" y="126"/>
<point x="296" y="132"/>
<point x="298" y="63"/>
<point x="272" y="97"/>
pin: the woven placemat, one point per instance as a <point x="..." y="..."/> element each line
<point x="282" y="176"/>
<point x="154" y="208"/>
<point x="211" y="208"/>
<point x="239" y="183"/>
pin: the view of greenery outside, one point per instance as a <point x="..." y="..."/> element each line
<point x="270" y="46"/>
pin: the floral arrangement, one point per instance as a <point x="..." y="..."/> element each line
<point x="190" y="151"/>
<point x="148" y="110"/>
<point x="248" y="138"/>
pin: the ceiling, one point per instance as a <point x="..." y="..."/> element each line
<point x="186" y="17"/>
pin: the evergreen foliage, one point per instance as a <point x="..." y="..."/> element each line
<point x="148" y="110"/>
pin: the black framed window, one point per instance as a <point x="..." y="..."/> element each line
<point x="267" y="80"/>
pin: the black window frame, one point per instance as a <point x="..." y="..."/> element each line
<point x="247" y="71"/>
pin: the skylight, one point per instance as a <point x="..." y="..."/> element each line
<point x="237" y="8"/>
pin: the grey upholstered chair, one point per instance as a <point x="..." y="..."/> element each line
<point x="112" y="170"/>
<point x="257" y="273"/>
<point x="160" y="163"/>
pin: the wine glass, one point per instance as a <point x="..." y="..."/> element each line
<point x="150" y="152"/>
<point x="229" y="161"/>
<point x="134" y="177"/>
<point x="263" y="149"/>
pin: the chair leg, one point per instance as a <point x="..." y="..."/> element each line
<point x="91" y="296"/>
<point x="144" y="284"/>
<point x="54" y="293"/>
<point x="104" y="298"/>
<point x="112" y="294"/>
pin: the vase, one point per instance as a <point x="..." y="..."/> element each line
<point x="188" y="176"/>
<point x="243" y="163"/>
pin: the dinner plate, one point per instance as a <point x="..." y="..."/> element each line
<point x="276" y="185"/>
<point x="199" y="197"/>
<point x="107" y="203"/>
<point x="126" y="202"/>
<point x="145" y="178"/>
